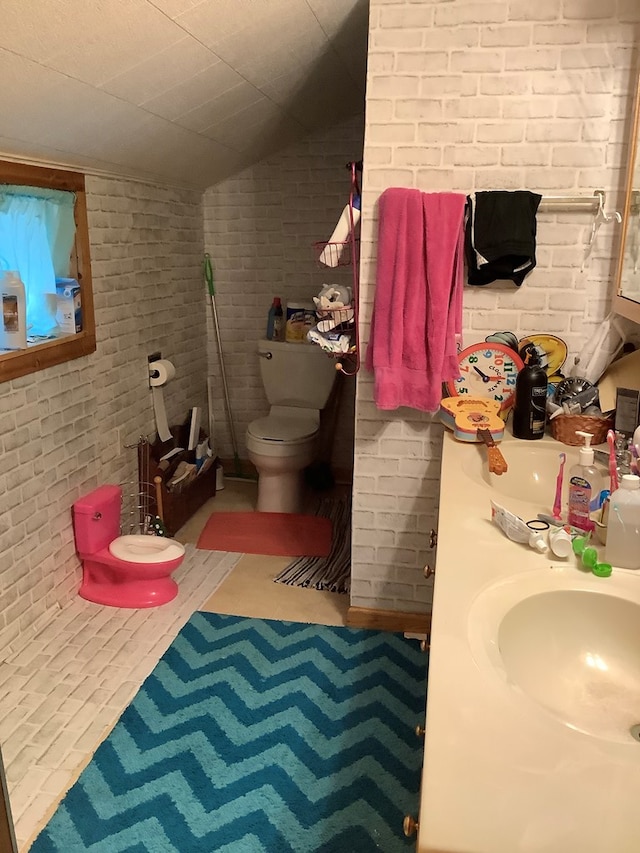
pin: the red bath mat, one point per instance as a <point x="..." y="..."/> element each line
<point x="275" y="533"/>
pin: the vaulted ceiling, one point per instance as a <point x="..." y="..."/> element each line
<point x="178" y="91"/>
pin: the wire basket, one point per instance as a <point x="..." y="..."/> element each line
<point x="337" y="254"/>
<point x="139" y="508"/>
<point x="564" y="428"/>
<point x="340" y="319"/>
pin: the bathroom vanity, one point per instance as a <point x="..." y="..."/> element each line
<point x="534" y="676"/>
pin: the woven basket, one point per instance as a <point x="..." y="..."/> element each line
<point x="564" y="428"/>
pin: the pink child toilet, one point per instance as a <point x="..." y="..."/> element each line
<point x="121" y="571"/>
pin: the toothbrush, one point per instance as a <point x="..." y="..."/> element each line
<point x="557" y="504"/>
<point x="613" y="469"/>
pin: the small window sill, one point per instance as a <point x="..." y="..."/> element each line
<point x="39" y="356"/>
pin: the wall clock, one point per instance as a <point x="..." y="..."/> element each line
<point x="487" y="370"/>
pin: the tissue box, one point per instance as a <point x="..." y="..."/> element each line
<point x="69" y="306"/>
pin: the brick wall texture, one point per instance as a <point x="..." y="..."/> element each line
<point x="505" y="94"/>
<point x="260" y="227"/>
<point x="63" y="430"/>
<point x="460" y="96"/>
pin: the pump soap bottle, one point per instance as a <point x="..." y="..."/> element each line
<point x="585" y="485"/>
<point x="529" y="411"/>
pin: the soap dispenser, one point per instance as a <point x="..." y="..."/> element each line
<point x="585" y="485"/>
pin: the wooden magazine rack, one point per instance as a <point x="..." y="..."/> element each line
<point x="176" y="505"/>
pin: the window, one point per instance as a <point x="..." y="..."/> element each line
<point x="44" y="237"/>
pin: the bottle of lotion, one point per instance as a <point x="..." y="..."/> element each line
<point x="13" y="319"/>
<point x="529" y="411"/>
<point x="585" y="486"/>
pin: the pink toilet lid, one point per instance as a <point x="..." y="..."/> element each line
<point x="146" y="549"/>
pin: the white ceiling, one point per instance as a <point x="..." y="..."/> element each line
<point x="179" y="91"/>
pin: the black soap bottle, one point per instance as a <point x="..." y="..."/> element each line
<point x="529" y="411"/>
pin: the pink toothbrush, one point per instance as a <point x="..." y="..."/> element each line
<point x="557" y="504"/>
<point x="613" y="468"/>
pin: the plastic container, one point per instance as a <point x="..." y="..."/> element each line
<point x="300" y="318"/>
<point x="13" y="320"/>
<point x="275" y="321"/>
<point x="560" y="542"/>
<point x="623" y="529"/>
<point x="529" y="411"/>
<point x="586" y="484"/>
<point x="69" y="306"/>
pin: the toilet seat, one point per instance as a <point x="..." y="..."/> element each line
<point x="284" y="429"/>
<point x="145" y="549"/>
<point x="281" y="437"/>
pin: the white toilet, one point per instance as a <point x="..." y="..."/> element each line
<point x="297" y="378"/>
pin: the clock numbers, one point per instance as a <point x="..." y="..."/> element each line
<point x="488" y="371"/>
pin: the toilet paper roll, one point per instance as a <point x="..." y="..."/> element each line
<point x="160" y="372"/>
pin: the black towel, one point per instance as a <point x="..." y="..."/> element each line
<point x="500" y="236"/>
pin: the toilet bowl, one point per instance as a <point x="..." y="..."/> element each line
<point x="280" y="448"/>
<point x="297" y="378"/>
<point x="121" y="571"/>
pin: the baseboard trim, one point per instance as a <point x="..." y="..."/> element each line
<point x="389" y="620"/>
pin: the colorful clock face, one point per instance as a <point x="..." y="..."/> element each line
<point x="487" y="370"/>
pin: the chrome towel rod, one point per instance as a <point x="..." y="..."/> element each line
<point x="577" y="203"/>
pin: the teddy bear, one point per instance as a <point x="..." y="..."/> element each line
<point x="333" y="307"/>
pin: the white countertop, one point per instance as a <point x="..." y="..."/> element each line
<point x="501" y="774"/>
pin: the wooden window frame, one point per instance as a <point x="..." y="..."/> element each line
<point x="40" y="356"/>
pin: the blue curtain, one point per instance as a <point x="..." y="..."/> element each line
<point x="37" y="230"/>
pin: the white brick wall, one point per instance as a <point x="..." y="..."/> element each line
<point x="485" y="95"/>
<point x="62" y="430"/>
<point x="260" y="227"/>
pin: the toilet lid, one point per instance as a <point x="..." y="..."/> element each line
<point x="145" y="549"/>
<point x="274" y="428"/>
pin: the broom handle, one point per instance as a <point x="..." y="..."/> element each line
<point x="208" y="275"/>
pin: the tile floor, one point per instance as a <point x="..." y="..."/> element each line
<point x="63" y="692"/>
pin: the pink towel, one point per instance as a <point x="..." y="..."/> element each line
<point x="417" y="312"/>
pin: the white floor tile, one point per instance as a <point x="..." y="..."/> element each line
<point x="66" y="688"/>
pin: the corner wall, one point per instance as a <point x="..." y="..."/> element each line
<point x="260" y="227"/>
<point x="62" y="430"/>
<point x="507" y="94"/>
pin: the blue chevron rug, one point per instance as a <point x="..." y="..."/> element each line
<point x="253" y="735"/>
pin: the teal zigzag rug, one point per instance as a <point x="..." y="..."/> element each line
<point x="253" y="735"/>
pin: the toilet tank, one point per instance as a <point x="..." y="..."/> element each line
<point x="96" y="519"/>
<point x="296" y="374"/>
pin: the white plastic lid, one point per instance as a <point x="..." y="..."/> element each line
<point x="586" y="456"/>
<point x="630" y="481"/>
<point x="536" y="541"/>
<point x="586" y="453"/>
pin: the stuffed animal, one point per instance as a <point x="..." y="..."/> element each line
<point x="333" y="307"/>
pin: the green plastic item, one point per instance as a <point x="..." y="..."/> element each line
<point x="590" y="558"/>
<point x="578" y="544"/>
<point x="602" y="570"/>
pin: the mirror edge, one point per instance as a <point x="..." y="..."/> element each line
<point x="621" y="305"/>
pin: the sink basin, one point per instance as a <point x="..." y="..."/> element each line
<point x="532" y="473"/>
<point x="574" y="652"/>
